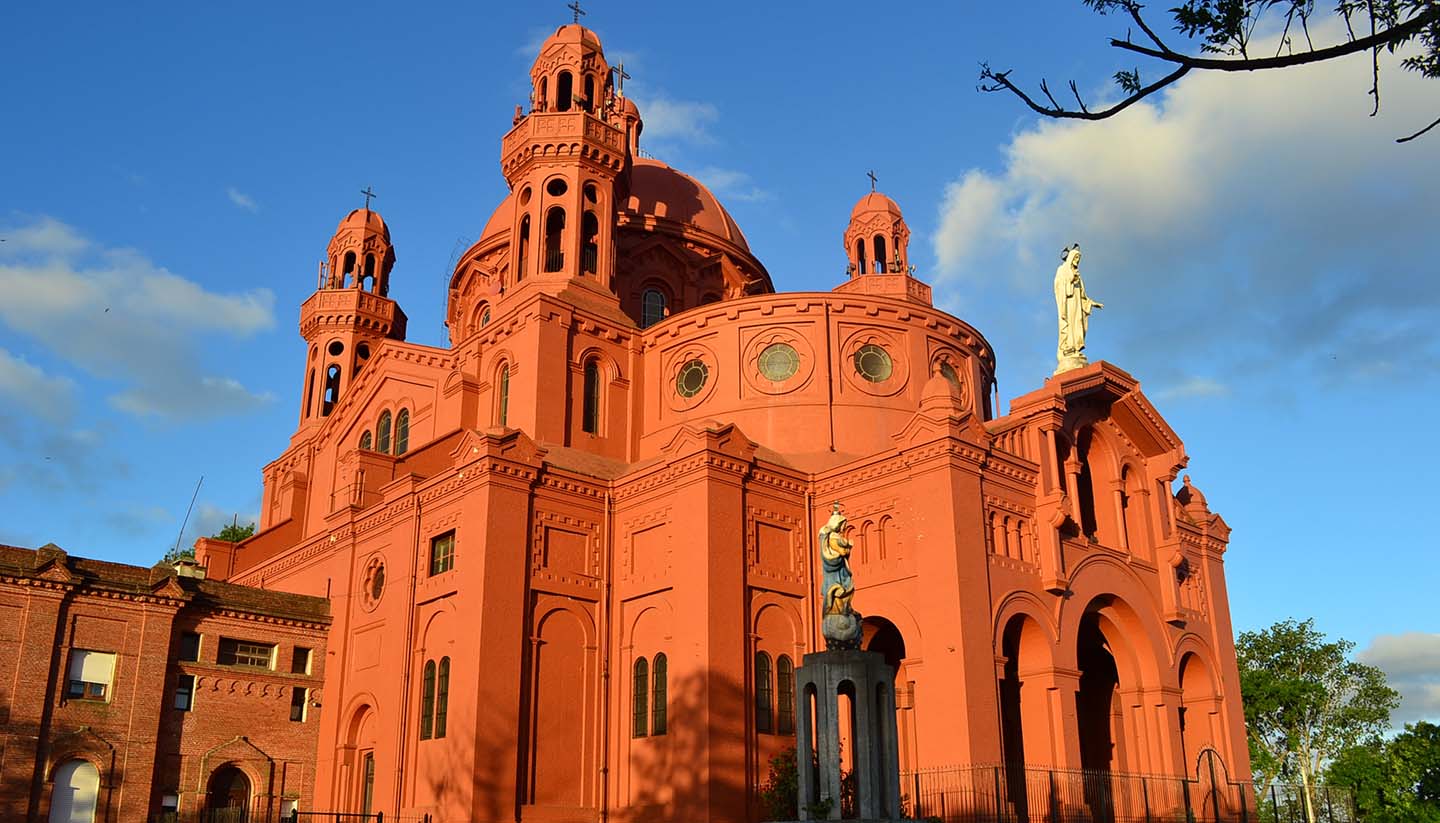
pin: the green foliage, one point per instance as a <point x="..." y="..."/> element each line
<point x="1395" y="780"/>
<point x="1306" y="701"/>
<point x="234" y="533"/>
<point x="778" y="796"/>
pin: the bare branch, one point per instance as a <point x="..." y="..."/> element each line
<point x="1001" y="81"/>
<point x="1076" y="92"/>
<point x="1420" y="132"/>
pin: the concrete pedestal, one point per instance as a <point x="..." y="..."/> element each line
<point x="869" y="683"/>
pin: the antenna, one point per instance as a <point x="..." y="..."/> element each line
<point x="181" y="535"/>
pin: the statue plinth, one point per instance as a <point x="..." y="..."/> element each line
<point x="1070" y="362"/>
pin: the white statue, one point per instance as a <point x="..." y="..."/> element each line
<point x="1073" y="307"/>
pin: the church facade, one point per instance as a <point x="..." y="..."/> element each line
<point x="571" y="557"/>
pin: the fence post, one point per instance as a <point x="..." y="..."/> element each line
<point x="1145" y="794"/>
<point x="1329" y="809"/>
<point x="915" y="779"/>
<point x="1244" y="803"/>
<point x="1185" y="792"/>
<point x="999" y="813"/>
<point x="1274" y="804"/>
<point x="1054" y="801"/>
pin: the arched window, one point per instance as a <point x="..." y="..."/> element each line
<point x="524" y="256"/>
<point x="502" y="412"/>
<point x="427" y="701"/>
<point x="540" y="100"/>
<point x="652" y="308"/>
<point x="349" y="268"/>
<point x="880" y="263"/>
<point x="590" y="250"/>
<point x="554" y="227"/>
<point x="382" y="433"/>
<point x="310" y="393"/>
<point x="442" y="696"/>
<point x="564" y="89"/>
<point x="658" y="704"/>
<point x="590" y="406"/>
<point x="860" y="253"/>
<point x="402" y="432"/>
<point x="332" y="389"/>
<point x="76" y="791"/>
<point x="370" y="280"/>
<point x="365" y="442"/>
<point x="1086" y="490"/>
<point x="764" y="695"/>
<point x="641" y="689"/>
<point x="590" y="92"/>
<point x="785" y="680"/>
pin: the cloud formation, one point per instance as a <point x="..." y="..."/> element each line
<point x="1263" y="219"/>
<point x="27" y="387"/>
<point x="683" y="120"/>
<point x="731" y="184"/>
<point x="1411" y="662"/>
<point x="116" y="315"/>
<point x="242" y="199"/>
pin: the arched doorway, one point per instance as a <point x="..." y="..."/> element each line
<point x="1025" y="726"/>
<point x="882" y="636"/>
<point x="77" y="789"/>
<point x="227" y="799"/>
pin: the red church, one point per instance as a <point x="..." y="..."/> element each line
<point x="570" y="556"/>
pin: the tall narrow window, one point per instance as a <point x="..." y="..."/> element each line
<point x="299" y="696"/>
<point x="590" y="410"/>
<point x="564" y="88"/>
<point x="764" y="696"/>
<point x="442" y="553"/>
<point x="652" y="308"/>
<point x="590" y="92"/>
<point x="860" y="253"/>
<point x="542" y="98"/>
<point x="382" y="433"/>
<point x="785" y="683"/>
<point x="554" y="227"/>
<point x="524" y="256"/>
<point x="332" y="389"/>
<point x="590" y="239"/>
<point x="641" y="688"/>
<point x="349" y="269"/>
<point x="442" y="696"/>
<point x="366" y="441"/>
<point x="503" y="413"/>
<point x="189" y="647"/>
<point x="185" y="692"/>
<point x="659" y="701"/>
<point x="367" y="787"/>
<point x="310" y="393"/>
<point x="402" y="432"/>
<point x="370" y="282"/>
<point x="427" y="701"/>
<point x="880" y="263"/>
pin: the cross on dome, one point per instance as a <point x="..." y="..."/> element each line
<point x="368" y="194"/>
<point x="871" y="174"/>
<point x="575" y="7"/>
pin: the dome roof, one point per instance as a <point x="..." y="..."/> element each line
<point x="657" y="189"/>
<point x="875" y="202"/>
<point x="502" y="218"/>
<point x="572" y="33"/>
<point x="364" y="219"/>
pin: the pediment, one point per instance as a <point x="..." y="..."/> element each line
<point x="711" y="435"/>
<point x="239" y="747"/>
<point x="497" y="441"/>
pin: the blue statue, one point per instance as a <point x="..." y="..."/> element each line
<point x="840" y="623"/>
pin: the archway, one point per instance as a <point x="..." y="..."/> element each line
<point x="1026" y="735"/>
<point x="76" y="792"/>
<point x="1199" y="707"/>
<point x="882" y="636"/>
<point x="1096" y="713"/>
<point x="227" y="798"/>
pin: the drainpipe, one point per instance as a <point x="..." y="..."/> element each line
<point x="416" y="559"/>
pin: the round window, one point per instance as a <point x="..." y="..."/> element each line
<point x="362" y="351"/>
<point x="779" y="361"/>
<point x="556" y="187"/>
<point x="873" y="363"/>
<point x="525" y="196"/>
<point x="336" y="348"/>
<point x="947" y="371"/>
<point x="691" y="378"/>
<point x="377" y="583"/>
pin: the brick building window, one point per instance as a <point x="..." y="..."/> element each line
<point x="658" y="705"/>
<point x="785" y="686"/>
<point x="640" y="694"/>
<point x="427" y="701"/>
<point x="442" y="553"/>
<point x="189" y="647"/>
<point x="764" y="695"/>
<point x="300" y="660"/>
<point x="234" y="652"/>
<point x="90" y="675"/>
<point x="442" y="697"/>
<point x="185" y="692"/>
<point x="298" y="698"/>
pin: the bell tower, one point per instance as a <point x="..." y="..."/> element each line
<point x="563" y="159"/>
<point x="877" y="243"/>
<point x="349" y="314"/>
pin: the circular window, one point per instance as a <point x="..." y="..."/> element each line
<point x="556" y="187"/>
<point x="336" y="348"/>
<point x="525" y="196"/>
<point x="691" y="378"/>
<point x="947" y="371"/>
<point x="362" y="351"/>
<point x="372" y="584"/>
<point x="779" y="361"/>
<point x="873" y="363"/>
<point x="377" y="583"/>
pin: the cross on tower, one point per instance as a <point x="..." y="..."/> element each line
<point x="368" y="194"/>
<point x="575" y="7"/>
<point x="620" y="78"/>
<point x="871" y="174"/>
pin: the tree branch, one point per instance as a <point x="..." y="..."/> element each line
<point x="1420" y="132"/>
<point x="1001" y="81"/>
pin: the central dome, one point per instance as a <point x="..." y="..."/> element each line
<point x="660" y="191"/>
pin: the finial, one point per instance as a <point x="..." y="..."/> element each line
<point x="368" y="194"/>
<point x="871" y="174"/>
<point x="575" y="7"/>
<point x="620" y="78"/>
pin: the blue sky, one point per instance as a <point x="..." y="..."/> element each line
<point x="170" y="174"/>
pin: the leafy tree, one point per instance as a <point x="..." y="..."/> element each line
<point x="1395" y="780"/>
<point x="778" y="796"/>
<point x="1306" y="701"/>
<point x="234" y="532"/>
<point x="1221" y="35"/>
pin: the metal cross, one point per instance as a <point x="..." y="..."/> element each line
<point x="871" y="174"/>
<point x="620" y="78"/>
<point x="575" y="7"/>
<point x="368" y="194"/>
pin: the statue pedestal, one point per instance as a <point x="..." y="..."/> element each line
<point x="867" y="684"/>
<point x="1071" y="361"/>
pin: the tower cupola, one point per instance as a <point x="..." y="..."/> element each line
<point x="877" y="244"/>
<point x="360" y="255"/>
<point x="570" y="73"/>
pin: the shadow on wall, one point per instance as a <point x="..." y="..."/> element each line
<point x="697" y="769"/>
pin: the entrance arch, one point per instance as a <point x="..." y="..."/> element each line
<point x="76" y="792"/>
<point x="880" y="635"/>
<point x="227" y="797"/>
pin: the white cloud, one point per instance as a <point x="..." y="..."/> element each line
<point x="25" y="386"/>
<point x="1194" y="387"/>
<point x="1263" y="219"/>
<point x="1411" y="662"/>
<point x="242" y="199"/>
<point x="118" y="316"/>
<point x="45" y="236"/>
<point x="682" y="120"/>
<point x="730" y="184"/>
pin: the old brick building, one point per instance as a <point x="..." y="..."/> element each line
<point x="131" y="690"/>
